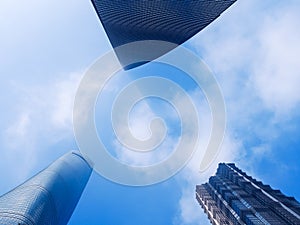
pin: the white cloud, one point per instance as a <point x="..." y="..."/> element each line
<point x="62" y="101"/>
<point x="43" y="118"/>
<point x="276" y="73"/>
<point x="254" y="56"/>
<point x="139" y="121"/>
<point x="256" y="51"/>
<point x="140" y="118"/>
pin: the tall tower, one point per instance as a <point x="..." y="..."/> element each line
<point x="48" y="198"/>
<point x="173" y="21"/>
<point x="233" y="197"/>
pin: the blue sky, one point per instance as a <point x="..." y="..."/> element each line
<point x="46" y="46"/>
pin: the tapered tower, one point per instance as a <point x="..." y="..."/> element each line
<point x="50" y="197"/>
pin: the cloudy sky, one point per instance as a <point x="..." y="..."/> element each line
<point x="46" y="47"/>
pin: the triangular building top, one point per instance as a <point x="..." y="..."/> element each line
<point x="173" y="21"/>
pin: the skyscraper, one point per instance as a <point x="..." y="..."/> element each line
<point x="172" y="21"/>
<point x="51" y="196"/>
<point x="233" y="197"/>
<point x="48" y="198"/>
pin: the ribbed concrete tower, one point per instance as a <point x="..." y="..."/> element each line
<point x="50" y="197"/>
<point x="233" y="197"/>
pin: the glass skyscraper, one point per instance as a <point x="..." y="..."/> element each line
<point x="175" y="21"/>
<point x="233" y="197"/>
<point x="49" y="198"/>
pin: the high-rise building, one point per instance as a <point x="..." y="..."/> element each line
<point x="49" y="198"/>
<point x="172" y="21"/>
<point x="233" y="197"/>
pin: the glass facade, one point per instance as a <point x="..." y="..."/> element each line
<point x="50" y="197"/>
<point x="172" y="21"/>
<point x="233" y="197"/>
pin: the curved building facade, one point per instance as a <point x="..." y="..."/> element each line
<point x="50" y="197"/>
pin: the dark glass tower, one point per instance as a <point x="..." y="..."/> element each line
<point x="233" y="197"/>
<point x="174" y="21"/>
<point x="50" y="197"/>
